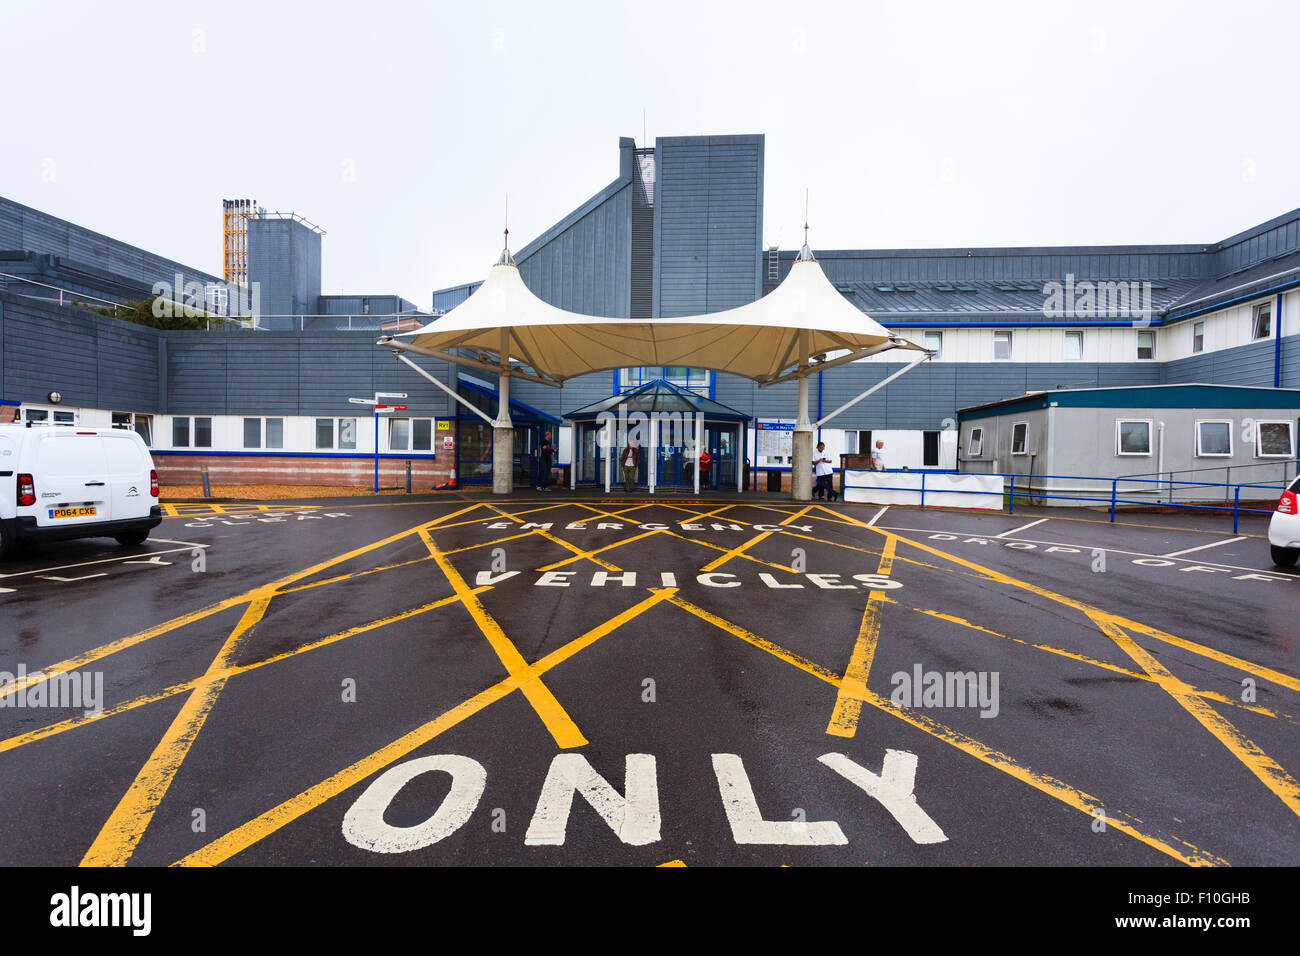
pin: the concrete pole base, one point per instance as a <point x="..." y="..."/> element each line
<point x="503" y="459"/>
<point x="801" y="467"/>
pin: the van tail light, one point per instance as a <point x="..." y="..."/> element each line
<point x="1286" y="505"/>
<point x="26" y="490"/>
<point x="153" y="482"/>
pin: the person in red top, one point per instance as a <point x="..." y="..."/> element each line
<point x="705" y="461"/>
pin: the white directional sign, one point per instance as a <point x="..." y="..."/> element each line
<point x="364" y="401"/>
<point x="390" y="395"/>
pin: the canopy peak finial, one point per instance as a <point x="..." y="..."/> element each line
<point x="506" y="258"/>
<point x="805" y="254"/>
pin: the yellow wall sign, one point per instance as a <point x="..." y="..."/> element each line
<point x="444" y="426"/>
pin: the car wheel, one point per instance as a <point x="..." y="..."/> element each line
<point x="1284" y="557"/>
<point x="131" y="538"/>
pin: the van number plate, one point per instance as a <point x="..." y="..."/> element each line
<point x="72" y="512"/>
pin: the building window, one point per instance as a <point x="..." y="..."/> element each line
<point x="411" y="434"/>
<point x="1146" y="345"/>
<point x="399" y="434"/>
<point x="275" y="433"/>
<point x="252" y="433"/>
<point x="1019" y="438"/>
<point x="934" y="342"/>
<point x="348" y="434"/>
<point x="1002" y="346"/>
<point x="1198" y="337"/>
<point x="45" y="416"/>
<point x="1214" y="439"/>
<point x="200" y="436"/>
<point x="1262" y="321"/>
<point x="1074" y="346"/>
<point x="864" y="442"/>
<point x="140" y="424"/>
<point x="1275" y="439"/>
<point x="975" y="444"/>
<point x="1133" y="436"/>
<point x="696" y="379"/>
<point x="325" y="433"/>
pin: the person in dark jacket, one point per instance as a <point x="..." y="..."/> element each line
<point x="544" y="455"/>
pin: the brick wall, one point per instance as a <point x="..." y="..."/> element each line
<point x="291" y="470"/>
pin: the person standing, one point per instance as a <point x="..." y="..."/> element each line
<point x="629" y="461"/>
<point x="705" y="461"/>
<point x="878" y="457"/>
<point x="544" y="455"/>
<point x="822" y="469"/>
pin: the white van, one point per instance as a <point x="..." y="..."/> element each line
<point x="63" y="481"/>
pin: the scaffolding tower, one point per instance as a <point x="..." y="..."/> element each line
<point x="236" y="213"/>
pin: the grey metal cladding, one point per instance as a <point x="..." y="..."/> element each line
<point x="708" y="223"/>
<point x="262" y="373"/>
<point x="584" y="267"/>
<point x="362" y="304"/>
<point x="1244" y="365"/>
<point x="445" y="300"/>
<point x="1268" y="240"/>
<point x="22" y="227"/>
<point x="93" y="360"/>
<point x="284" y="258"/>
<point x="196" y="371"/>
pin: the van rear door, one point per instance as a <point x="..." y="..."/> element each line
<point x="128" y="465"/>
<point x="71" y="478"/>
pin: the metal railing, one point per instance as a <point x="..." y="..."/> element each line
<point x="71" y="297"/>
<point x="1108" y="492"/>
<point x="1290" y="467"/>
<point x="300" y="322"/>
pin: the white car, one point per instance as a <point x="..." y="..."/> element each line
<point x="61" y="481"/>
<point x="1284" y="528"/>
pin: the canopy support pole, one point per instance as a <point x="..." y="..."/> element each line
<point x="473" y="408"/>
<point x="652" y="458"/>
<point x="609" y="450"/>
<point x="503" y="430"/>
<point x="801" y="463"/>
<point x="874" y="388"/>
<point x="695" y="453"/>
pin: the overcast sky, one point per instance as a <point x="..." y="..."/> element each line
<point x="400" y="127"/>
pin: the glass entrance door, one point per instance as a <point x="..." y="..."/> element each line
<point x="722" y="442"/>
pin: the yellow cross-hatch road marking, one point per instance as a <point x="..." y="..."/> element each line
<point x="853" y="686"/>
<point x="239" y="839"/>
<point x="53" y="729"/>
<point x="1264" y="767"/>
<point x="552" y="713"/>
<point x="122" y="831"/>
<point x="1071" y="796"/>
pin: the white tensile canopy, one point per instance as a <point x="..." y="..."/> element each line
<point x="802" y="320"/>
<point x="802" y="326"/>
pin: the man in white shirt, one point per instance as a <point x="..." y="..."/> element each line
<point x="878" y="457"/>
<point x="822" y="468"/>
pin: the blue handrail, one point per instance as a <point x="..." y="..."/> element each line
<point x="1113" y="499"/>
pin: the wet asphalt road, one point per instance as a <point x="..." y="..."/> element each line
<point x="263" y="669"/>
